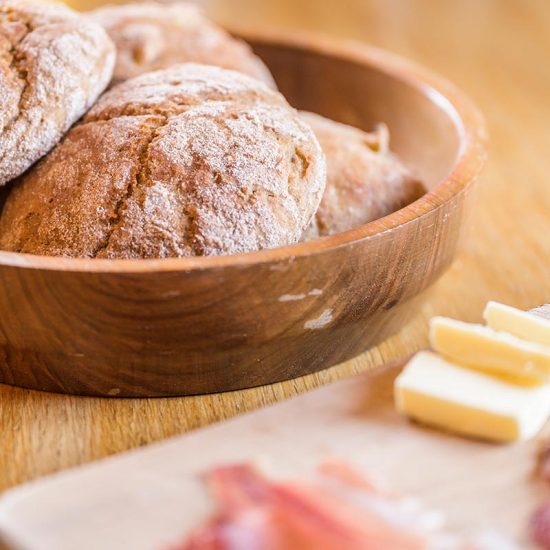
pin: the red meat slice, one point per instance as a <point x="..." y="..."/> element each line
<point x="255" y="513"/>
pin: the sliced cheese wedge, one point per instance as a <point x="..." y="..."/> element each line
<point x="483" y="348"/>
<point x="517" y="322"/>
<point x="439" y="393"/>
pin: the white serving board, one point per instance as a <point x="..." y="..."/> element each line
<point x="152" y="497"/>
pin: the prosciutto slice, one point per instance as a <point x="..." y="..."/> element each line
<point x="338" y="509"/>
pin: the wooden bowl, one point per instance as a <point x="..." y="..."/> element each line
<point x="198" y="325"/>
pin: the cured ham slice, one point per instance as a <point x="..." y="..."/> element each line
<point x="539" y="526"/>
<point x="338" y="509"/>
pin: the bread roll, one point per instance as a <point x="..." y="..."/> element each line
<point x="151" y="36"/>
<point x="365" y="181"/>
<point x="190" y="161"/>
<point x="53" y="66"/>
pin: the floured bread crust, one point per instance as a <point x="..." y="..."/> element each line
<point x="365" y="181"/>
<point x="53" y="66"/>
<point x="193" y="160"/>
<point x="151" y="36"/>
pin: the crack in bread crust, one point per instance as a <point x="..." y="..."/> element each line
<point x="15" y="60"/>
<point x="6" y="18"/>
<point x="132" y="185"/>
<point x="19" y="64"/>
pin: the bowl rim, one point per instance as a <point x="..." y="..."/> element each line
<point x="469" y="161"/>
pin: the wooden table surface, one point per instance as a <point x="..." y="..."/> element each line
<point x="497" y="51"/>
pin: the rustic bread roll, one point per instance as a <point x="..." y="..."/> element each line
<point x="53" y="66"/>
<point x="193" y="160"/>
<point x="365" y="181"/>
<point x="151" y="36"/>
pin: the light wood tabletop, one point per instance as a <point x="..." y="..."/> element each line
<point x="496" y="51"/>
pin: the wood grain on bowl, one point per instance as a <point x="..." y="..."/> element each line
<point x="196" y="325"/>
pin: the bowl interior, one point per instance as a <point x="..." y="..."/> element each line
<point x="425" y="130"/>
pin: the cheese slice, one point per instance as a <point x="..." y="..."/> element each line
<point x="439" y="393"/>
<point x="522" y="324"/>
<point x="483" y="348"/>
